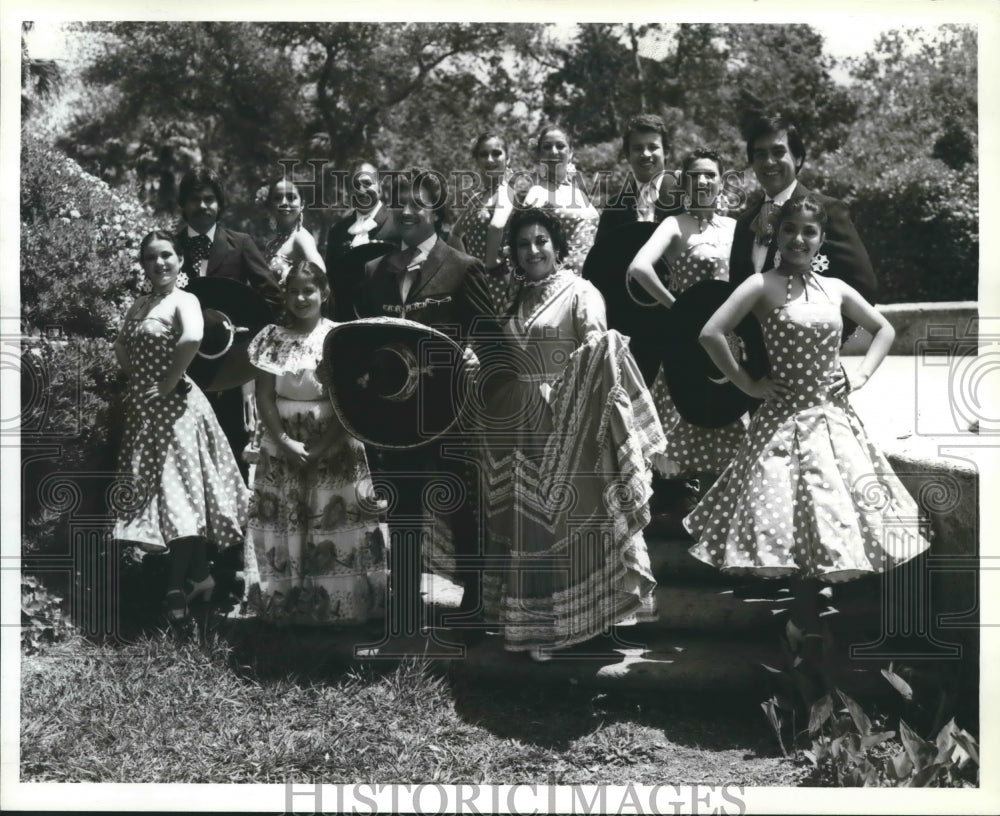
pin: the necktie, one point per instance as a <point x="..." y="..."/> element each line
<point x="197" y="249"/>
<point x="400" y="265"/>
<point x="645" y="205"/>
<point x="761" y="225"/>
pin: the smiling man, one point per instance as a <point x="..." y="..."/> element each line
<point x="776" y="153"/>
<point x="214" y="251"/>
<point x="649" y="193"/>
<point x="432" y="283"/>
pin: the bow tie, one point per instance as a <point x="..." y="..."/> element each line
<point x="197" y="248"/>
<point x="762" y="225"/>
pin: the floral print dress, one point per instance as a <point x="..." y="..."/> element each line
<point x="317" y="549"/>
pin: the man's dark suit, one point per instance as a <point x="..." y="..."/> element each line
<point x="338" y="244"/>
<point x="439" y="297"/>
<point x="234" y="255"/>
<point x="621" y="209"/>
<point x="847" y="255"/>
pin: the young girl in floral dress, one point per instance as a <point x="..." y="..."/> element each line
<point x="807" y="495"/>
<point x="316" y="553"/>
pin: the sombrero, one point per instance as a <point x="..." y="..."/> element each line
<point x="234" y="313"/>
<point x="346" y="271"/>
<point x="394" y="383"/>
<point x="698" y="389"/>
<point x="630" y="309"/>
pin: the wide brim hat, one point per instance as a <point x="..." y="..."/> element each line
<point x="346" y="272"/>
<point x="234" y="313"/>
<point x="630" y="308"/>
<point x="698" y="389"/>
<point x="394" y="383"/>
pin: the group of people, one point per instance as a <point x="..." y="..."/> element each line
<point x="573" y="417"/>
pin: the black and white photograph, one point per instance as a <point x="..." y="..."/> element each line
<point x="408" y="410"/>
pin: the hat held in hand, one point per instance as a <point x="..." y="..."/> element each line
<point x="234" y="313"/>
<point x="394" y="383"/>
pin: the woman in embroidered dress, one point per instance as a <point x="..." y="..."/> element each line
<point x="292" y="243"/>
<point x="696" y="246"/>
<point x="188" y="488"/>
<point x="807" y="495"/>
<point x="317" y="548"/>
<point x="569" y="431"/>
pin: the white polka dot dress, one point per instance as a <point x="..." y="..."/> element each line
<point x="691" y="448"/>
<point x="187" y="480"/>
<point x="807" y="494"/>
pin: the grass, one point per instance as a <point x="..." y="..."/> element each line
<point x="164" y="709"/>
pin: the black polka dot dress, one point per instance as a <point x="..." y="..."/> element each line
<point x="187" y="481"/>
<point x="807" y="494"/>
<point x="691" y="448"/>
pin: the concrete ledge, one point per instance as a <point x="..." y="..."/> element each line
<point x="954" y="324"/>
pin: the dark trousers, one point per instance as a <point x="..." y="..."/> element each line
<point x="423" y="480"/>
<point x="228" y="407"/>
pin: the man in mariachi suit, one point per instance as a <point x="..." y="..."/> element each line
<point x="649" y="193"/>
<point x="776" y="153"/>
<point x="214" y="251"/>
<point x="432" y="283"/>
<point x="367" y="220"/>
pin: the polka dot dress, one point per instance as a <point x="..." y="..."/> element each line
<point x="187" y="481"/>
<point x="691" y="448"/>
<point x="807" y="494"/>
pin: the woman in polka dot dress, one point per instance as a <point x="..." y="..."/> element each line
<point x="188" y="488"/>
<point x="808" y="495"/>
<point x="479" y="231"/>
<point x="316" y="551"/>
<point x="696" y="246"/>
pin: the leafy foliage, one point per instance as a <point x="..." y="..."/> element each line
<point x="42" y="619"/>
<point x="842" y="743"/>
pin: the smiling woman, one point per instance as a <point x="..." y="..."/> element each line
<point x="188" y="487"/>
<point x="539" y="418"/>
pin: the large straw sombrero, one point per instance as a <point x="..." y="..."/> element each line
<point x="394" y="383"/>
<point x="698" y="389"/>
<point x="234" y="313"/>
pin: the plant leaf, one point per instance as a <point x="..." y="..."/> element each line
<point x="925" y="776"/>
<point x="967" y="743"/>
<point x="898" y="683"/>
<point x="920" y="751"/>
<point x="899" y="767"/>
<point x="771" y="712"/>
<point x="945" y="741"/>
<point x="795" y="636"/>
<point x="861" y="721"/>
<point x="871" y="740"/>
<point x="820" y="712"/>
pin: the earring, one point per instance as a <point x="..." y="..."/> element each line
<point x="518" y="273"/>
<point x="686" y="201"/>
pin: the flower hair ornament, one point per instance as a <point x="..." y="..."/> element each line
<point x="260" y="197"/>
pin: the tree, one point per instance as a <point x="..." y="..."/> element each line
<point x="40" y="78"/>
<point x="241" y="96"/>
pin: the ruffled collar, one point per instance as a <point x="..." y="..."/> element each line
<point x="281" y="350"/>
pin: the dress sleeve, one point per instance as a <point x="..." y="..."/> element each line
<point x="262" y="347"/>
<point x="589" y="316"/>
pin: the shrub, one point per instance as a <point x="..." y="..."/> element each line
<point x="79" y="274"/>
<point x="79" y="245"/>
<point x="919" y="220"/>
